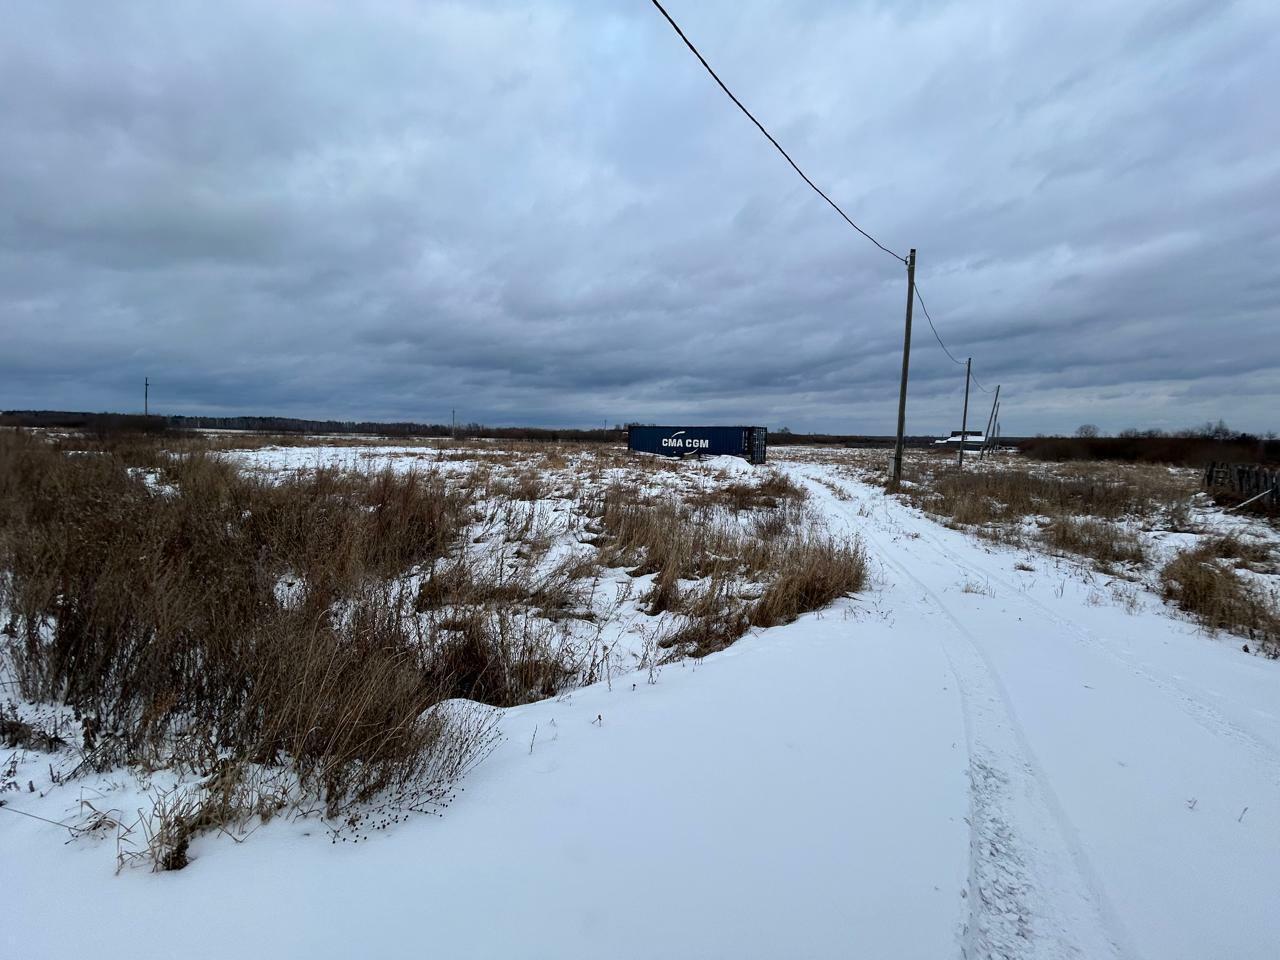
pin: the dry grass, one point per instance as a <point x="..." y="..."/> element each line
<point x="725" y="569"/>
<point x="811" y="572"/>
<point x="502" y="659"/>
<point x="771" y="490"/>
<point x="492" y="633"/>
<point x="985" y="493"/>
<point x="1086" y="510"/>
<point x="1090" y="510"/>
<point x="154" y="612"/>
<point x="1105" y="542"/>
<point x="297" y="641"/>
<point x="1244" y="553"/>
<point x="1220" y="598"/>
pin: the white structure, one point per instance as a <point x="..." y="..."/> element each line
<point x="972" y="440"/>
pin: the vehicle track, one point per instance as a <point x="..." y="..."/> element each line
<point x="1025" y="898"/>
<point x="1204" y="714"/>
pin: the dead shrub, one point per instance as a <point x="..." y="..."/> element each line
<point x="703" y="635"/>
<point x="558" y="592"/>
<point x="812" y="573"/>
<point x="769" y="491"/>
<point x="1101" y="541"/>
<point x="501" y="659"/>
<point x="17" y="733"/>
<point x="1244" y="553"/>
<point x="757" y="566"/>
<point x="466" y="582"/>
<point x="528" y="485"/>
<point x="995" y="499"/>
<point x="1220" y="598"/>
<point x="154" y="612"/>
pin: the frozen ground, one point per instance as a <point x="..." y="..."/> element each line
<point x="968" y="760"/>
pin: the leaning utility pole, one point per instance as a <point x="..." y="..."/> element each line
<point x="986" y="434"/>
<point x="146" y="396"/>
<point x="906" y="364"/>
<point x="964" y="417"/>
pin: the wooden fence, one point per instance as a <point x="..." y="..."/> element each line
<point x="1245" y="480"/>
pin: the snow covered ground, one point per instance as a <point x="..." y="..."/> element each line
<point x="970" y="759"/>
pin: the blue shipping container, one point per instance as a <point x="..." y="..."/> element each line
<point x="749" y="442"/>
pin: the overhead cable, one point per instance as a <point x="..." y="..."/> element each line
<point x="760" y="126"/>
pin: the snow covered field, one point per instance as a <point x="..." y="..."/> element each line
<point x="991" y="752"/>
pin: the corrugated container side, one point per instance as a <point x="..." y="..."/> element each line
<point x="679" y="441"/>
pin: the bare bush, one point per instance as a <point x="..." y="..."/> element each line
<point x="154" y="613"/>
<point x="812" y="572"/>
<point x="770" y="490"/>
<point x="299" y="641"/>
<point x="1221" y="598"/>
<point x="1244" y="553"/>
<point x="1100" y="540"/>
<point x="501" y="658"/>
<point x="723" y="569"/>
<point x="1000" y="494"/>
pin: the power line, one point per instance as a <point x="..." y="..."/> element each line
<point x="703" y="60"/>
<point x="786" y="156"/>
<point x="960" y="363"/>
<point x="935" y="329"/>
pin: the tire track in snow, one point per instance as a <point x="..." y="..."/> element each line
<point x="1029" y="896"/>
<point x="1202" y="713"/>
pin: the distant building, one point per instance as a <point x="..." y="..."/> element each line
<point x="972" y="440"/>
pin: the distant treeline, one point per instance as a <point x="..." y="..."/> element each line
<point x="136" y="423"/>
<point x="102" y="424"/>
<point x="109" y="423"/>
<point x="1192" y="447"/>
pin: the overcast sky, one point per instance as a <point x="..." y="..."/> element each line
<point x="547" y="213"/>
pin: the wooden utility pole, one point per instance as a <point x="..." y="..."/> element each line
<point x="146" y="396"/>
<point x="986" y="434"/>
<point x="964" y="417"/>
<point x="906" y="366"/>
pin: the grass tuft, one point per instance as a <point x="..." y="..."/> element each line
<point x="1220" y="598"/>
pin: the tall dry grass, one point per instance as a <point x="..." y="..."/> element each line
<point x="986" y="493"/>
<point x="303" y="640"/>
<point x="725" y="564"/>
<point x="151" y="604"/>
<point x="1088" y="510"/>
<point x="1200" y="582"/>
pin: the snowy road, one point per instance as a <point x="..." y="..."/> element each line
<point x="968" y="760"/>
<point x="1124" y="770"/>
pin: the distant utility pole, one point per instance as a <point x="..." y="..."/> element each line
<point x="906" y="365"/>
<point x="964" y="417"/>
<point x="146" y="396"/>
<point x="986" y="434"/>
<point x="453" y="422"/>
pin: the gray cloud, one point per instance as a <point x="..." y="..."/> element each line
<point x="546" y="213"/>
